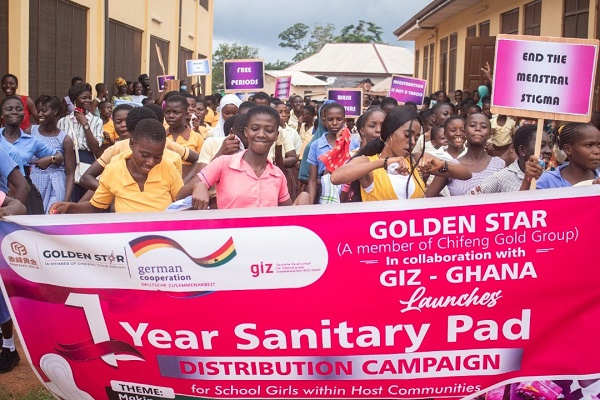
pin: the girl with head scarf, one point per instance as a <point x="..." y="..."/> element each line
<point x="228" y="107"/>
<point x="320" y="131"/>
<point x="121" y="94"/>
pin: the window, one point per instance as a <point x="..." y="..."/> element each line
<point x="124" y="54"/>
<point x="452" y="63"/>
<point x="484" y="29"/>
<point x="472" y="31"/>
<point x="425" y="62"/>
<point x="57" y="46"/>
<point x="431" y="62"/>
<point x="510" y="22"/>
<point x="575" y="23"/>
<point x="533" y="18"/>
<point x="444" y="64"/>
<point x="417" y="63"/>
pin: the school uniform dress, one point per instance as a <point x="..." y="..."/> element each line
<point x="7" y="166"/>
<point x="502" y="135"/>
<point x="75" y="131"/>
<point x="554" y="179"/>
<point x="386" y="186"/>
<point x="194" y="142"/>
<point x="507" y="179"/>
<point x="457" y="187"/>
<point x="122" y="146"/>
<point x="239" y="187"/>
<point x="51" y="182"/>
<point x="116" y="183"/>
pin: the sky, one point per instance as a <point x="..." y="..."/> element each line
<point x="258" y="22"/>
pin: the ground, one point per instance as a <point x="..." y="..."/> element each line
<point x="21" y="383"/>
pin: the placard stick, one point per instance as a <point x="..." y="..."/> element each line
<point x="160" y="59"/>
<point x="538" y="144"/>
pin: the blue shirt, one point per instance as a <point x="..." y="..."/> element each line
<point x="27" y="147"/>
<point x="322" y="146"/>
<point x="7" y="165"/>
<point x="554" y="179"/>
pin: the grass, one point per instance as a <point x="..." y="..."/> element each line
<point x="39" y="394"/>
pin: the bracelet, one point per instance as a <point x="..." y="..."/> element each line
<point x="385" y="160"/>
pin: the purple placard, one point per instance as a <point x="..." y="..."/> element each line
<point x="351" y="99"/>
<point x="244" y="75"/>
<point x="406" y="89"/>
<point x="162" y="81"/>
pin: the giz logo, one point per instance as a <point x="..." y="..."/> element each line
<point x="259" y="269"/>
<point x="18" y="249"/>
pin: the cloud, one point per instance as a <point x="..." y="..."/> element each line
<point x="257" y="23"/>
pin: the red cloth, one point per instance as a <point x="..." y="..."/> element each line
<point x="339" y="154"/>
<point x="26" y="122"/>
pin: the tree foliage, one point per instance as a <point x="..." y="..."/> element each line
<point x="363" y="32"/>
<point x="229" y="51"/>
<point x="277" y="65"/>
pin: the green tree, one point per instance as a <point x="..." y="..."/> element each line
<point x="277" y="65"/>
<point x="296" y="37"/>
<point x="364" y="32"/>
<point x="229" y="51"/>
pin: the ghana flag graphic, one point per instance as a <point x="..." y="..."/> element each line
<point x="145" y="244"/>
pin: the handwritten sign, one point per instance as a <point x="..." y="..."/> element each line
<point x="161" y="80"/>
<point x="197" y="67"/>
<point x="350" y="98"/>
<point x="405" y="89"/>
<point x="283" y="85"/>
<point x="244" y="75"/>
<point x="544" y="77"/>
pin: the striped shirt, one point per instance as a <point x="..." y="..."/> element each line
<point x="508" y="179"/>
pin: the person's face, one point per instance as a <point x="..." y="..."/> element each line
<point x="585" y="151"/>
<point x="229" y="111"/>
<point x="297" y="104"/>
<point x="9" y="86"/>
<point x="149" y="94"/>
<point x="442" y="114"/>
<point x="137" y="89"/>
<point x="441" y="96"/>
<point x="261" y="131"/>
<point x="455" y="133"/>
<point x="146" y="154"/>
<point x="46" y="115"/>
<point x="146" y="81"/>
<point x="191" y="107"/>
<point x="106" y="110"/>
<point x="175" y="114"/>
<point x="119" y="120"/>
<point x="428" y="123"/>
<point x="122" y="90"/>
<point x="402" y="140"/>
<point x="102" y="92"/>
<point x="200" y="111"/>
<point x="545" y="149"/>
<point x="486" y="110"/>
<point x="334" y="120"/>
<point x="467" y="93"/>
<point x="350" y="123"/>
<point x="477" y="130"/>
<point x="388" y="107"/>
<point x="130" y="88"/>
<point x="211" y="104"/>
<point x="307" y="117"/>
<point x="84" y="100"/>
<point x="284" y="113"/>
<point x="13" y="112"/>
<point x="471" y="111"/>
<point x="372" y="128"/>
<point x="458" y="96"/>
<point x="438" y="138"/>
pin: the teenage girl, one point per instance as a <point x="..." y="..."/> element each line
<point x="10" y="84"/>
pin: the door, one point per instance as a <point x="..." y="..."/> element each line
<point x="478" y="50"/>
<point x="124" y="55"/>
<point x="155" y="68"/>
<point x="184" y="54"/>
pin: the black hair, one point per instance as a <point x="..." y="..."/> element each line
<point x="178" y="99"/>
<point x="77" y="89"/>
<point x="310" y="109"/>
<point x="146" y="90"/>
<point x="567" y="134"/>
<point x="595" y="120"/>
<point x="171" y="93"/>
<point x="239" y="124"/>
<point x="138" y="114"/>
<point x="439" y="105"/>
<point x="434" y="129"/>
<point x="129" y="82"/>
<point x="388" y="100"/>
<point x="10" y="76"/>
<point x="200" y="100"/>
<point x="145" y="101"/>
<point x="476" y="106"/>
<point x="75" y="79"/>
<point x="136" y="82"/>
<point x="158" y="111"/>
<point x="425" y="114"/>
<point x="376" y="102"/>
<point x="142" y="77"/>
<point x="458" y="91"/>
<point x="102" y="103"/>
<point x="98" y="86"/>
<point x="426" y="101"/>
<point x="486" y="99"/>
<point x="360" y="122"/>
<point x="246" y="105"/>
<point x="150" y="129"/>
<point x="263" y="96"/>
<point x="228" y="124"/>
<point x="331" y="106"/>
<point x="452" y="118"/>
<point x="294" y="96"/>
<point x="523" y="136"/>
<point x="187" y="95"/>
<point x="411" y="103"/>
<point x="122" y="107"/>
<point x="50" y="101"/>
<point x="210" y="97"/>
<point x="258" y="110"/>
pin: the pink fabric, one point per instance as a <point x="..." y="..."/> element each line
<point x="239" y="187"/>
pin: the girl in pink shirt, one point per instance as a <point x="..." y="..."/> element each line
<point x="246" y="179"/>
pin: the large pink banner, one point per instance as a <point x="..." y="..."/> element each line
<point x="421" y="299"/>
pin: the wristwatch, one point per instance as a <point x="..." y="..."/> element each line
<point x="444" y="169"/>
<point x="86" y="127"/>
<point x="53" y="158"/>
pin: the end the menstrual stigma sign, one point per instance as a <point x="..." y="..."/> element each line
<point x="544" y="77"/>
<point x="244" y="75"/>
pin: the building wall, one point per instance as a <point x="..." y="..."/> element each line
<point x="318" y="91"/>
<point x="551" y="25"/>
<point x="153" y="17"/>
